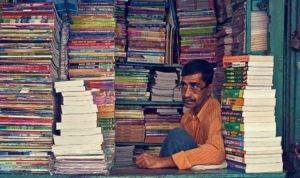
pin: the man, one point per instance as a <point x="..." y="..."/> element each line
<point x="199" y="139"/>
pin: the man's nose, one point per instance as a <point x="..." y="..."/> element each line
<point x="188" y="92"/>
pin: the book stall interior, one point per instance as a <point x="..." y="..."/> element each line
<point x="86" y="86"/>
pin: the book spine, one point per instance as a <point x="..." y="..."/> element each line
<point x="232" y="119"/>
<point x="232" y="133"/>
<point x="227" y="59"/>
<point x="233" y="93"/>
<point x="236" y="165"/>
<point x="229" y="112"/>
<point x="235" y="158"/>
<point x="234" y="153"/>
<point x="233" y="101"/>
<point x="234" y="143"/>
<point x="234" y="126"/>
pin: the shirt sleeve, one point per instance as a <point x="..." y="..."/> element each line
<point x="210" y="153"/>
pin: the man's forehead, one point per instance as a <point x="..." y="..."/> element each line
<point x="193" y="78"/>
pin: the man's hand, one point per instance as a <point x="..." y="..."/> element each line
<point x="146" y="160"/>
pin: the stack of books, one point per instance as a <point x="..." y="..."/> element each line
<point x="91" y="43"/>
<point x="77" y="149"/>
<point x="131" y="83"/>
<point x="248" y="112"/>
<point x="124" y="156"/>
<point x="147" y="31"/>
<point x="197" y="30"/>
<point x="159" y="120"/>
<point x="121" y="31"/>
<point x="231" y="27"/>
<point x="26" y="113"/>
<point x="104" y="98"/>
<point x="259" y="30"/>
<point x="163" y="85"/>
<point x="130" y="124"/>
<point x="91" y="50"/>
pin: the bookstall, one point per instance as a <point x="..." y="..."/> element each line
<point x="117" y="64"/>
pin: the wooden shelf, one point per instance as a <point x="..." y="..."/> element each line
<point x="150" y="65"/>
<point x="149" y="103"/>
<point x="137" y="144"/>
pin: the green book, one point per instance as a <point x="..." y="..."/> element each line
<point x="233" y="93"/>
<point x="234" y="126"/>
<point x="22" y="127"/>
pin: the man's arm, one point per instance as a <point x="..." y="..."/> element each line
<point x="210" y="153"/>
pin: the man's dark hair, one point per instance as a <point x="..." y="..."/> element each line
<point x="199" y="66"/>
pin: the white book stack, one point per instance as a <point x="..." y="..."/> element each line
<point x="78" y="148"/>
<point x="248" y="112"/>
<point x="163" y="87"/>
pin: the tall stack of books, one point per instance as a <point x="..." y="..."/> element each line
<point x="197" y="30"/>
<point x="163" y="85"/>
<point x="130" y="124"/>
<point x="147" y="31"/>
<point x="26" y="113"/>
<point x="78" y="147"/>
<point x="121" y="31"/>
<point x="248" y="112"/>
<point x="159" y="120"/>
<point x="91" y="50"/>
<point x="231" y="17"/>
<point x="91" y="43"/>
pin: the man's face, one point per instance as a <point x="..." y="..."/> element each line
<point x="192" y="89"/>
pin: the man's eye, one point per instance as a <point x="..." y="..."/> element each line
<point x="196" y="86"/>
<point x="183" y="85"/>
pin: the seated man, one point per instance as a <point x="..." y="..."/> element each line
<point x="199" y="139"/>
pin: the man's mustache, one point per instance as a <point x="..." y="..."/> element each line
<point x="188" y="99"/>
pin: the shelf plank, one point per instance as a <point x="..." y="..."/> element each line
<point x="150" y="65"/>
<point x="149" y="103"/>
<point x="137" y="144"/>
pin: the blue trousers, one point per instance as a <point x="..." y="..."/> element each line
<point x="177" y="140"/>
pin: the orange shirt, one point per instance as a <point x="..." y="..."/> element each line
<point x="206" y="130"/>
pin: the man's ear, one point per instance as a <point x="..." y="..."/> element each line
<point x="209" y="89"/>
